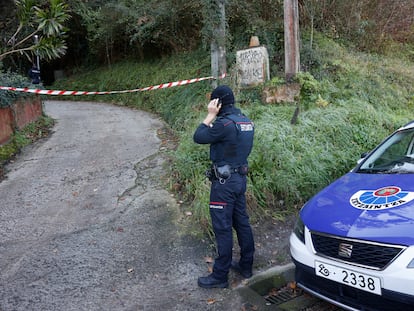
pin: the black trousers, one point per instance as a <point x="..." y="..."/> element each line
<point x="228" y="211"/>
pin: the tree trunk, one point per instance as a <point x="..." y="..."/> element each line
<point x="292" y="56"/>
<point x="218" y="45"/>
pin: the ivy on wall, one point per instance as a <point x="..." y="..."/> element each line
<point x="15" y="80"/>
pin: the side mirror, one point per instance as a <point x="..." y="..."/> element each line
<point x="362" y="157"/>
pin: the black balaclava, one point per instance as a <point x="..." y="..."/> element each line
<point x="226" y="98"/>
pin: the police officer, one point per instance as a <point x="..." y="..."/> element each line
<point x="230" y="135"/>
<point x="34" y="74"/>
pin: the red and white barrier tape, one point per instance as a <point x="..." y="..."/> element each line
<point x="148" y="88"/>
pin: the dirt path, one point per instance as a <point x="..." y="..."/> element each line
<point x="85" y="223"/>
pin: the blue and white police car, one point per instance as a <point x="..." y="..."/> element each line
<point x="353" y="243"/>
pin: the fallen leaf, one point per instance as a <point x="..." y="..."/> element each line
<point x="210" y="301"/>
<point x="249" y="307"/>
<point x="273" y="292"/>
<point x="176" y="187"/>
<point x="292" y="285"/>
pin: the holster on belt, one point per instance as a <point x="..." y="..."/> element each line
<point x="224" y="172"/>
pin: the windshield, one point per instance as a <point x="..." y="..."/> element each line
<point x="394" y="156"/>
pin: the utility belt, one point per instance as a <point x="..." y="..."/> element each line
<point x="222" y="173"/>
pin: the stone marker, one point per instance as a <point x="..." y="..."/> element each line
<point x="252" y="64"/>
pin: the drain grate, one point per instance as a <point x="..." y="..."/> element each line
<point x="277" y="297"/>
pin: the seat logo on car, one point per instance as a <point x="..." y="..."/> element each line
<point x="345" y="250"/>
<point x="380" y="199"/>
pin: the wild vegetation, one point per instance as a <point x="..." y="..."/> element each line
<point x="357" y="84"/>
<point x="31" y="133"/>
<point x="39" y="29"/>
<point x="350" y="101"/>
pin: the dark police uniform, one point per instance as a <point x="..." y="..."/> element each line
<point x="34" y="74"/>
<point x="231" y="139"/>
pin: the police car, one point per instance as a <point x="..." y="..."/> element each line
<point x="353" y="243"/>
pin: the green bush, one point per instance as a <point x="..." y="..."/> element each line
<point x="15" y="80"/>
<point x="32" y="132"/>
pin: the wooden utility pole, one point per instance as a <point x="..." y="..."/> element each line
<point x="218" y="43"/>
<point x="292" y="55"/>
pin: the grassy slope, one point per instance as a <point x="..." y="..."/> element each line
<point x="354" y="102"/>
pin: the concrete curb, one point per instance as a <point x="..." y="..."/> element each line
<point x="258" y="286"/>
<point x="284" y="274"/>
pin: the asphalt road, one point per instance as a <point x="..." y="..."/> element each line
<point x="85" y="223"/>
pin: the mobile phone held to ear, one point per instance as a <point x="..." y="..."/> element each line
<point x="220" y="99"/>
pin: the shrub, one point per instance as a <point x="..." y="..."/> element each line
<point x="15" y="80"/>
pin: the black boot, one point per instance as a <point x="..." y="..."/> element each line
<point x="210" y="282"/>
<point x="244" y="273"/>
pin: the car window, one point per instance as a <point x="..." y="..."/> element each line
<point x="395" y="155"/>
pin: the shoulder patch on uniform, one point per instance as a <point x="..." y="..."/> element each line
<point x="245" y="126"/>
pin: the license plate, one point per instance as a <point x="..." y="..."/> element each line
<point x="348" y="277"/>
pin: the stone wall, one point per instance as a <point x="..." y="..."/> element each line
<point x="6" y="124"/>
<point x="17" y="116"/>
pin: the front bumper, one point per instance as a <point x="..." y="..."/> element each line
<point x="397" y="290"/>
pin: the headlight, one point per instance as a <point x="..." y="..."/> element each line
<point x="411" y="264"/>
<point x="299" y="230"/>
